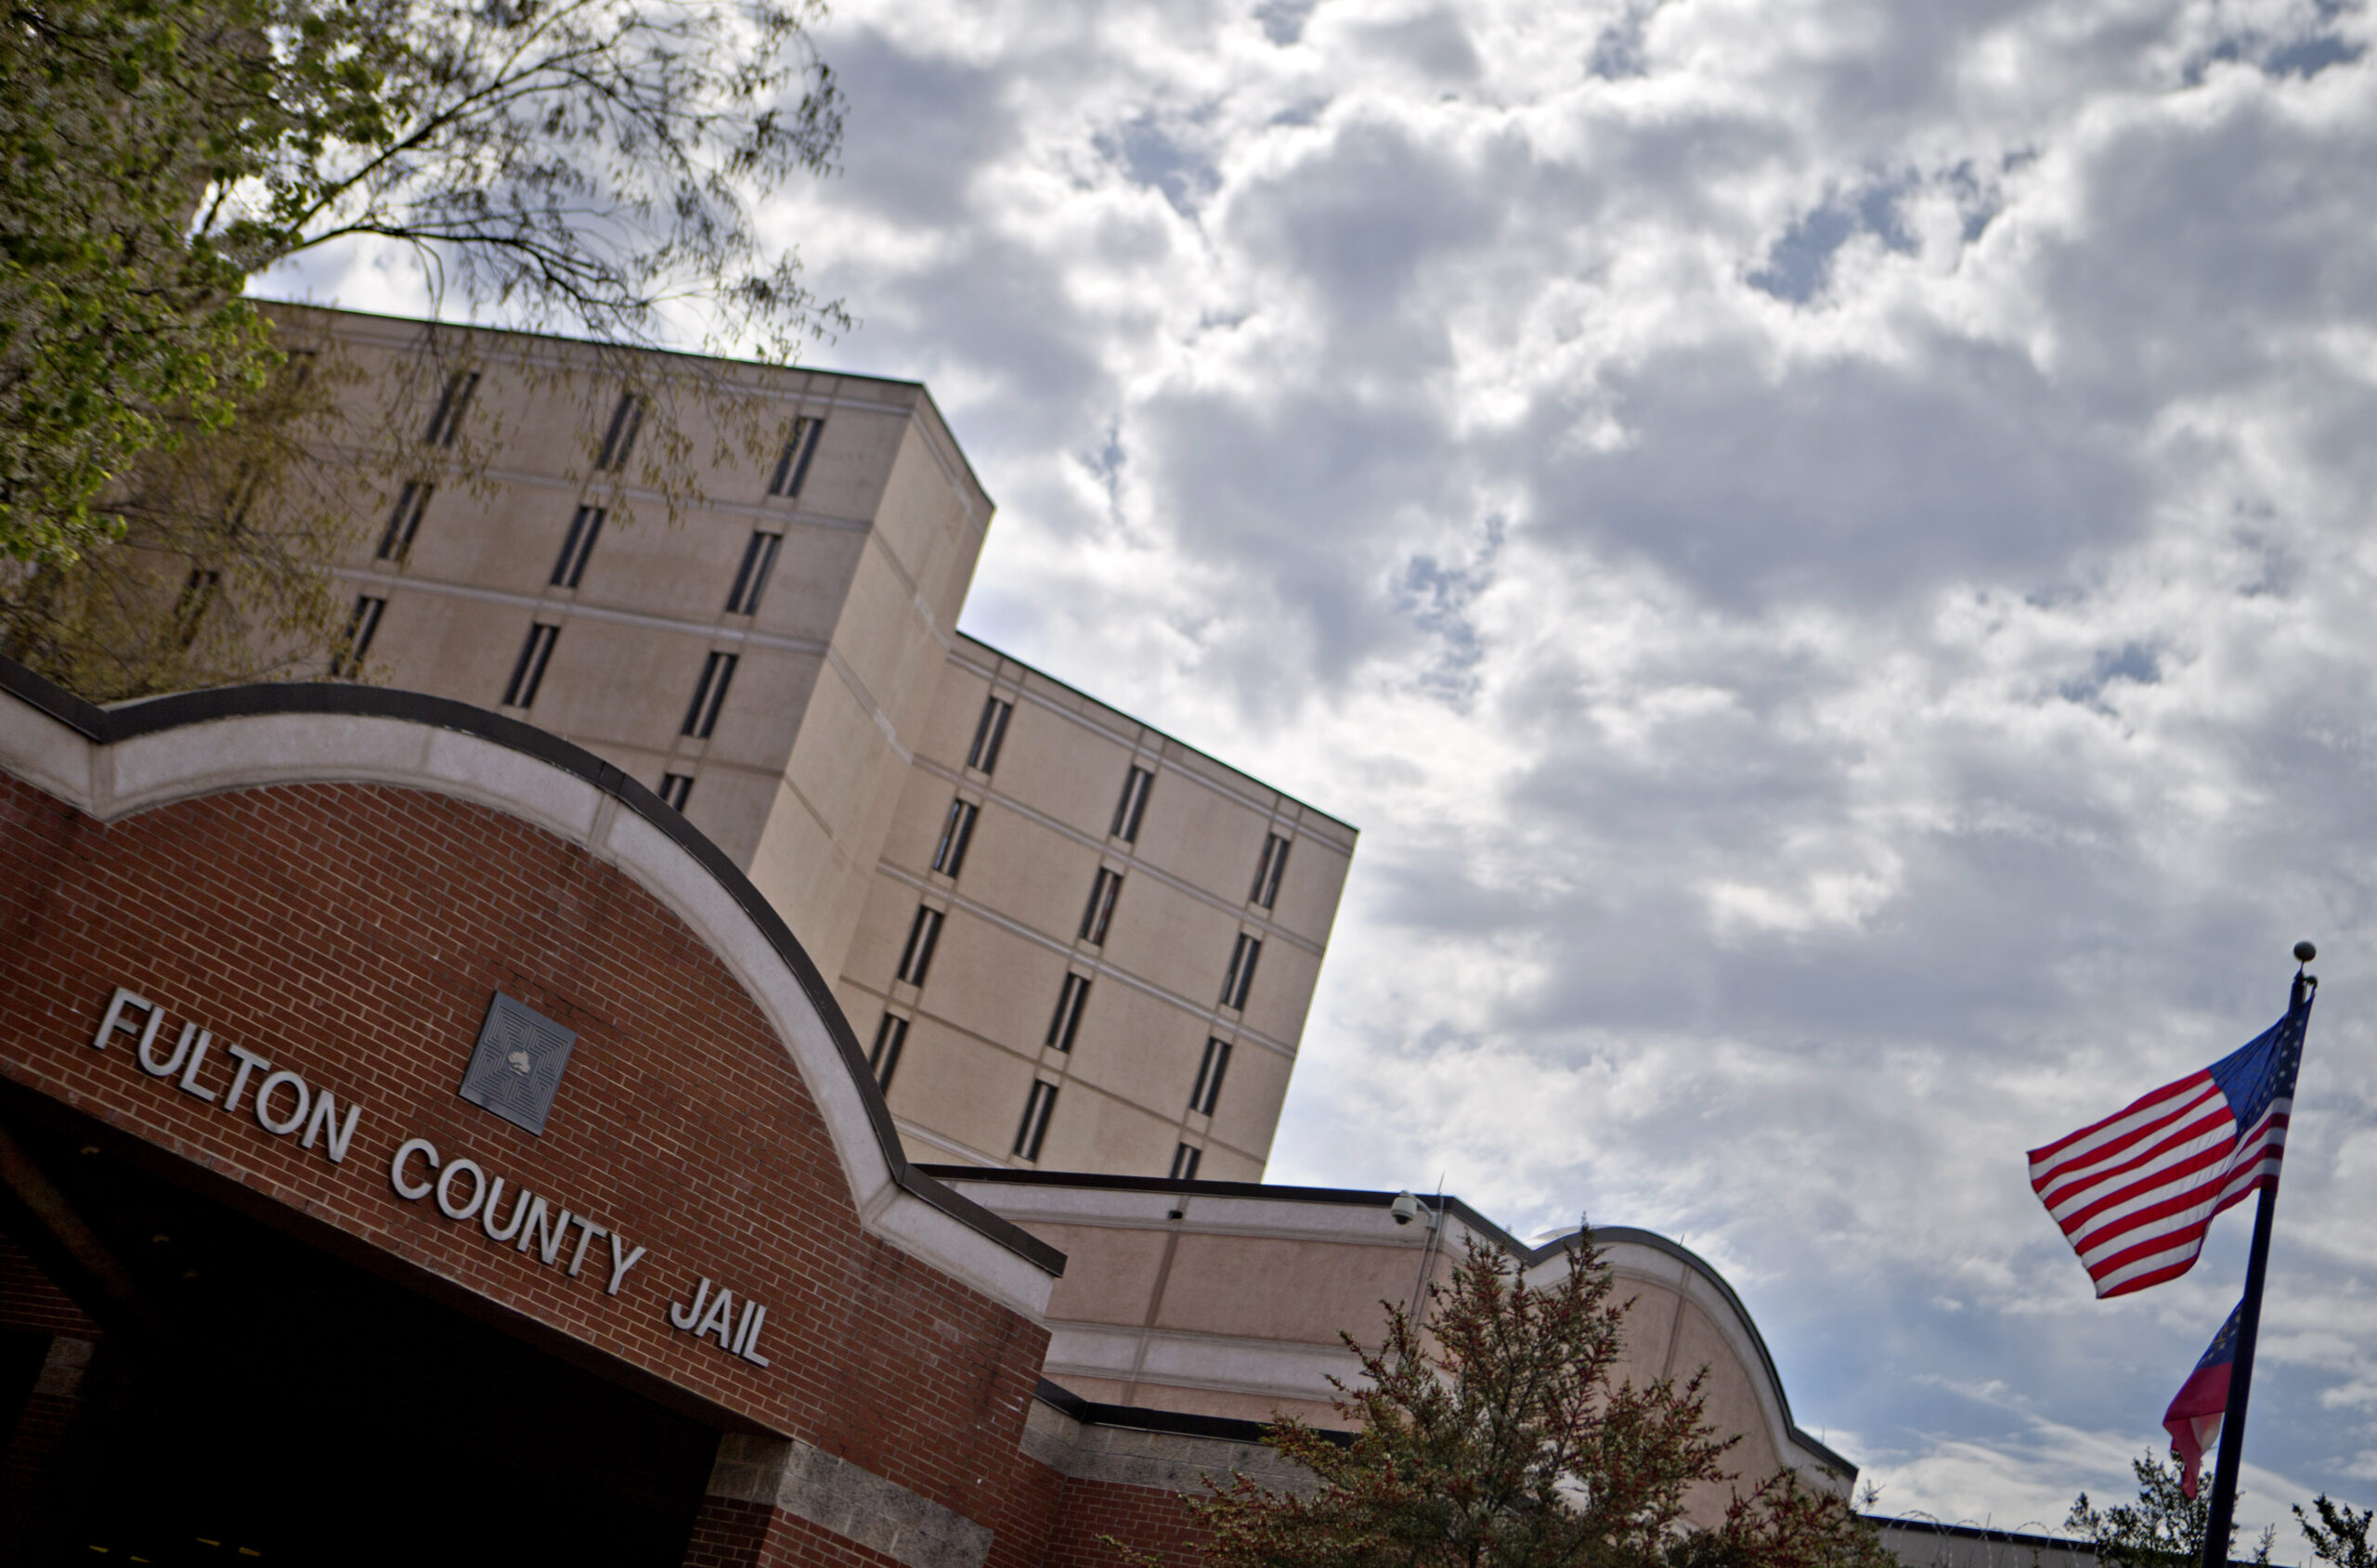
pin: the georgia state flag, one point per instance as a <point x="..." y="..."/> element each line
<point x="2193" y="1419"/>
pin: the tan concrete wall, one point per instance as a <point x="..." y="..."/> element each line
<point x="838" y="667"/>
<point x="1232" y="1309"/>
<point x="1230" y="1303"/>
<point x="1015" y="915"/>
<point x="852" y="757"/>
<point x="844" y="736"/>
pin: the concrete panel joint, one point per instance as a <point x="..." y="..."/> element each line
<point x="833" y="1494"/>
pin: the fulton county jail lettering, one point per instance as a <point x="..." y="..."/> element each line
<point x="283" y="1101"/>
<point x="535" y="1226"/>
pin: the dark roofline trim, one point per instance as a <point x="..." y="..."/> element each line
<point x="150" y="716"/>
<point x="1356" y="1197"/>
<point x="1179" y="1423"/>
<point x="1982" y="1533"/>
<point x="1346" y="1197"/>
<point x="1167" y="735"/>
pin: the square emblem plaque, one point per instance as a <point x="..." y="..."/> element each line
<point x="518" y="1063"/>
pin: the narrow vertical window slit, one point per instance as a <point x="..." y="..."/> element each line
<point x="924" y="934"/>
<point x="891" y="1036"/>
<point x="1100" y="913"/>
<point x="396" y="541"/>
<point x="1132" y="806"/>
<point x="957" y="833"/>
<point x="1267" y="872"/>
<point x="362" y="624"/>
<point x="198" y="596"/>
<point x="529" y="672"/>
<point x="792" y="463"/>
<point x="710" y="695"/>
<point x="1208" y="1090"/>
<point x="577" y="546"/>
<point x="751" y="576"/>
<point x="452" y="404"/>
<point x="989" y="732"/>
<point x="1032" y="1131"/>
<point x="1240" y="978"/>
<point x="619" y="439"/>
<point x="1066" y="1022"/>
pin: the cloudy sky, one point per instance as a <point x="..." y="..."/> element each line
<point x="1823" y="544"/>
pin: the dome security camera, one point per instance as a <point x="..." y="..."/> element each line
<point x="1405" y="1208"/>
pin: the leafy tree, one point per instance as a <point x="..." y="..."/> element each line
<point x="1501" y="1435"/>
<point x="2341" y="1538"/>
<point x="221" y="573"/>
<point x="588" y="165"/>
<point x="1782" y="1523"/>
<point x="2164" y="1528"/>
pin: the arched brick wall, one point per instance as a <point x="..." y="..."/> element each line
<point x="345" y="937"/>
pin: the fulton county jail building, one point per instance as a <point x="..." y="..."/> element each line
<point x="1067" y="941"/>
<point x="419" y="1144"/>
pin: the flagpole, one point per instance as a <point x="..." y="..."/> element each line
<point x="2249" y="1323"/>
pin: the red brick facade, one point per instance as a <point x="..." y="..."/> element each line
<point x="729" y="1533"/>
<point x="30" y="1299"/>
<point x="1152" y="1521"/>
<point x="354" y="935"/>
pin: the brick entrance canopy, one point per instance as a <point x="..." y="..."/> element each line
<point x="254" y="939"/>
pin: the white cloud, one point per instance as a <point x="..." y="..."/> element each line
<point x="1825" y="544"/>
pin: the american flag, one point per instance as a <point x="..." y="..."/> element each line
<point x="2136" y="1192"/>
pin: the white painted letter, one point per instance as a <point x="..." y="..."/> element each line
<point x="326" y="1121"/>
<point x="621" y="1264"/>
<point x="446" y="1196"/>
<point x="519" y="1211"/>
<point x="588" y="1231"/>
<point x="542" y="1227"/>
<point x="747" y="1338"/>
<point x="687" y="1317"/>
<point x="719" y="1318"/>
<point x="188" y="1085"/>
<point x="149" y="1062"/>
<point x="115" y="1019"/>
<point x="248" y="1061"/>
<point x="405" y="1151"/>
<point x="264" y="1105"/>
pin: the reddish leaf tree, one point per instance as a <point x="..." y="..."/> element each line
<point x="1783" y="1523"/>
<point x="1499" y="1434"/>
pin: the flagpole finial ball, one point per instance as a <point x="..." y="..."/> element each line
<point x="2305" y="953"/>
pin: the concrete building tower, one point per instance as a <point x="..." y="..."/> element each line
<point x="1074" y="941"/>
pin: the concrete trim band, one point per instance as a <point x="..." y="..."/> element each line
<point x="858" y="1505"/>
